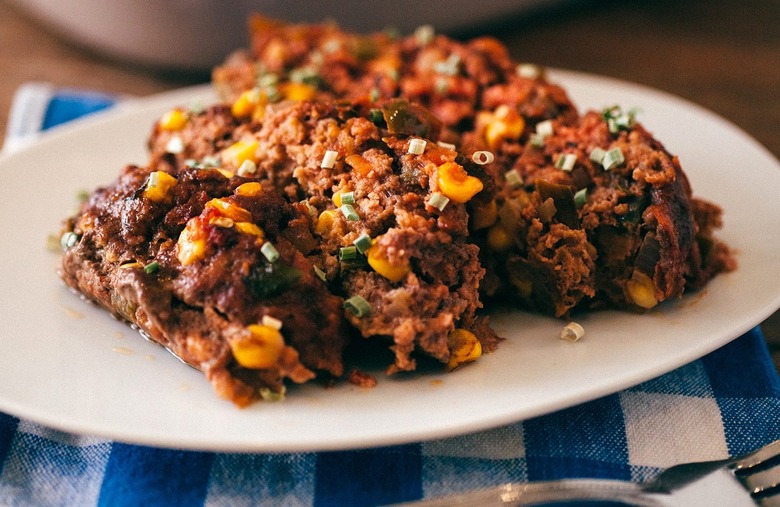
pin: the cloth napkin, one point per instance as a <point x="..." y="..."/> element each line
<point x="724" y="404"/>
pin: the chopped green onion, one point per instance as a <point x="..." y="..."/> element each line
<point x="358" y="306"/>
<point x="536" y="140"/>
<point x="424" y="35"/>
<point x="513" y="179"/>
<point x="82" y="195"/>
<point x="348" y="198"/>
<point x="528" y="70"/>
<point x="613" y="158"/>
<point x="572" y="332"/>
<point x="192" y="163"/>
<point x="597" y="155"/>
<point x="349" y="212"/>
<point x="566" y="161"/>
<point x="211" y="162"/>
<point x="175" y="145"/>
<point x="152" y="267"/>
<point x="247" y="167"/>
<point x="69" y="240"/>
<point x="482" y="157"/>
<point x="348" y="253"/>
<point x="438" y="201"/>
<point x="442" y="85"/>
<point x="267" y="395"/>
<point x="580" y="197"/>
<point x="271" y="322"/>
<point x="363" y="243"/>
<point x="196" y="107"/>
<point x="448" y="67"/>
<point x="329" y="159"/>
<point x="305" y="75"/>
<point x="447" y="146"/>
<point x="373" y="95"/>
<point x="417" y="146"/>
<point x="154" y="180"/>
<point x="320" y="274"/>
<point x="268" y="79"/>
<point x="544" y="128"/>
<point x="270" y="252"/>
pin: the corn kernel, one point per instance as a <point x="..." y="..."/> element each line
<point x="224" y="172"/>
<point x="175" y="119"/>
<point x="247" y="104"/>
<point x="485" y="216"/>
<point x="378" y="260"/>
<point x="249" y="228"/>
<point x="641" y="290"/>
<point x="506" y="123"/>
<point x="464" y="348"/>
<point x="235" y="154"/>
<point x="159" y="185"/>
<point x="499" y="238"/>
<point x="190" y="247"/>
<point x="260" y="348"/>
<point x="250" y="189"/>
<point x="325" y="222"/>
<point x="230" y="210"/>
<point x="299" y="91"/>
<point x="456" y="183"/>
<point x="337" y="198"/>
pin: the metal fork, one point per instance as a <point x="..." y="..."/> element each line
<point x="748" y="480"/>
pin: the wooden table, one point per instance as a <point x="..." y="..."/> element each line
<point x="720" y="54"/>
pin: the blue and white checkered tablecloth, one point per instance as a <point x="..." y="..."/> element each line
<point x="723" y="404"/>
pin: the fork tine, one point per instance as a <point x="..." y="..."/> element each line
<point x="756" y="458"/>
<point x="761" y="483"/>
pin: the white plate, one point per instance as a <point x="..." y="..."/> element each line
<point x="66" y="364"/>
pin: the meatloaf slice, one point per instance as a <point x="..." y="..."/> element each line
<point x="600" y="213"/>
<point x="214" y="268"/>
<point x="390" y="209"/>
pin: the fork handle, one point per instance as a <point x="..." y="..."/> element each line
<point x="519" y="494"/>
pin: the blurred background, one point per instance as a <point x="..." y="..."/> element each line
<point x="721" y="54"/>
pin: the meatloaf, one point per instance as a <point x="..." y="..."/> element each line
<point x="598" y="214"/>
<point x="390" y="209"/>
<point x="214" y="268"/>
<point x="637" y="235"/>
